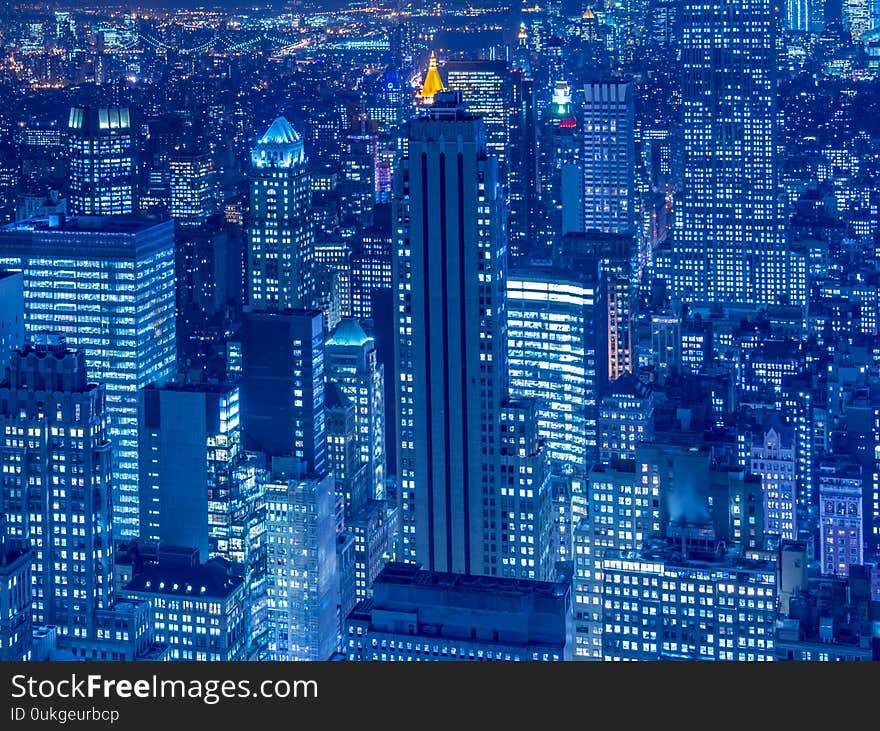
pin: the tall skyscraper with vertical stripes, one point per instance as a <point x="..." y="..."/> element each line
<point x="473" y="485"/>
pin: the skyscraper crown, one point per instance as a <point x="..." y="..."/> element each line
<point x="280" y="146"/>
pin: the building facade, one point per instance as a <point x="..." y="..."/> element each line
<point x="107" y="284"/>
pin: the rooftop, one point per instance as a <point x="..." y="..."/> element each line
<point x="412" y="574"/>
<point x="204" y="581"/>
<point x="122" y="224"/>
<point x="348" y="332"/>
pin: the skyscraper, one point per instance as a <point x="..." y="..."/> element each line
<point x="450" y="261"/>
<point x="56" y="491"/>
<point x="554" y="344"/>
<point x="191" y="188"/>
<point x="371" y="263"/>
<point x="16" y="568"/>
<point x="350" y="359"/>
<point x="797" y="15"/>
<point x="11" y="316"/>
<point x="524" y="217"/>
<point x="282" y="387"/>
<point x="486" y="88"/>
<point x="729" y="243"/>
<point x="280" y="236"/>
<point x="178" y="426"/>
<point x="101" y="150"/>
<point x="449" y="270"/>
<point x="303" y="584"/>
<point x="108" y="285"/>
<point x="608" y="157"/>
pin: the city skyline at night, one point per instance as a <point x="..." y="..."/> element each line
<point x="440" y="332"/>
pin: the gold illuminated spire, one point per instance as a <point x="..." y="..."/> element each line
<point x="588" y="14"/>
<point x="432" y="83"/>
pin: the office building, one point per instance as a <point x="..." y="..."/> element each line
<point x="56" y="490"/>
<point x="798" y="15"/>
<point x="191" y="190"/>
<point x="524" y="216"/>
<point x="683" y="602"/>
<point x="282" y="386"/>
<point x="729" y="243"/>
<point x="527" y="527"/>
<point x="365" y="518"/>
<point x="107" y="284"/>
<point x="419" y="615"/>
<point x="303" y="583"/>
<point x="101" y="146"/>
<point x="16" y="564"/>
<point x="344" y="462"/>
<point x="486" y="88"/>
<point x="350" y="359"/>
<point x="359" y="172"/>
<point x="620" y="517"/>
<point x="199" y="610"/>
<point x="626" y="418"/>
<point x="608" y="157"/>
<point x="183" y="429"/>
<point x="555" y="341"/>
<point x="371" y="264"/>
<point x="281" y="246"/>
<point x="12" y="335"/>
<point x="772" y="455"/>
<point x="451" y="347"/>
<point x="841" y="536"/>
<point x="617" y="258"/>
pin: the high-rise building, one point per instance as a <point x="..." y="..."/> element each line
<point x="16" y="567"/>
<point x="615" y="255"/>
<point x="11" y="316"/>
<point x="180" y="428"/>
<point x="343" y="455"/>
<point x="620" y="518"/>
<point x="424" y="616"/>
<point x="303" y="583"/>
<point x="371" y="263"/>
<point x="772" y="455"/>
<point x="486" y="88"/>
<point x="351" y="361"/>
<point x="841" y="535"/>
<point x="856" y="16"/>
<point x="192" y="190"/>
<point x="729" y="243"/>
<point x="524" y="218"/>
<point x="528" y="537"/>
<point x="101" y="148"/>
<point x="199" y="610"/>
<point x="608" y="157"/>
<point x="107" y="284"/>
<point x="359" y="165"/>
<point x="797" y="15"/>
<point x="282" y="386"/>
<point x="703" y="605"/>
<point x="280" y="235"/>
<point x="626" y="418"/>
<point x="555" y="339"/>
<point x="56" y="491"/>
<point x="450" y="351"/>
<point x="365" y="517"/>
